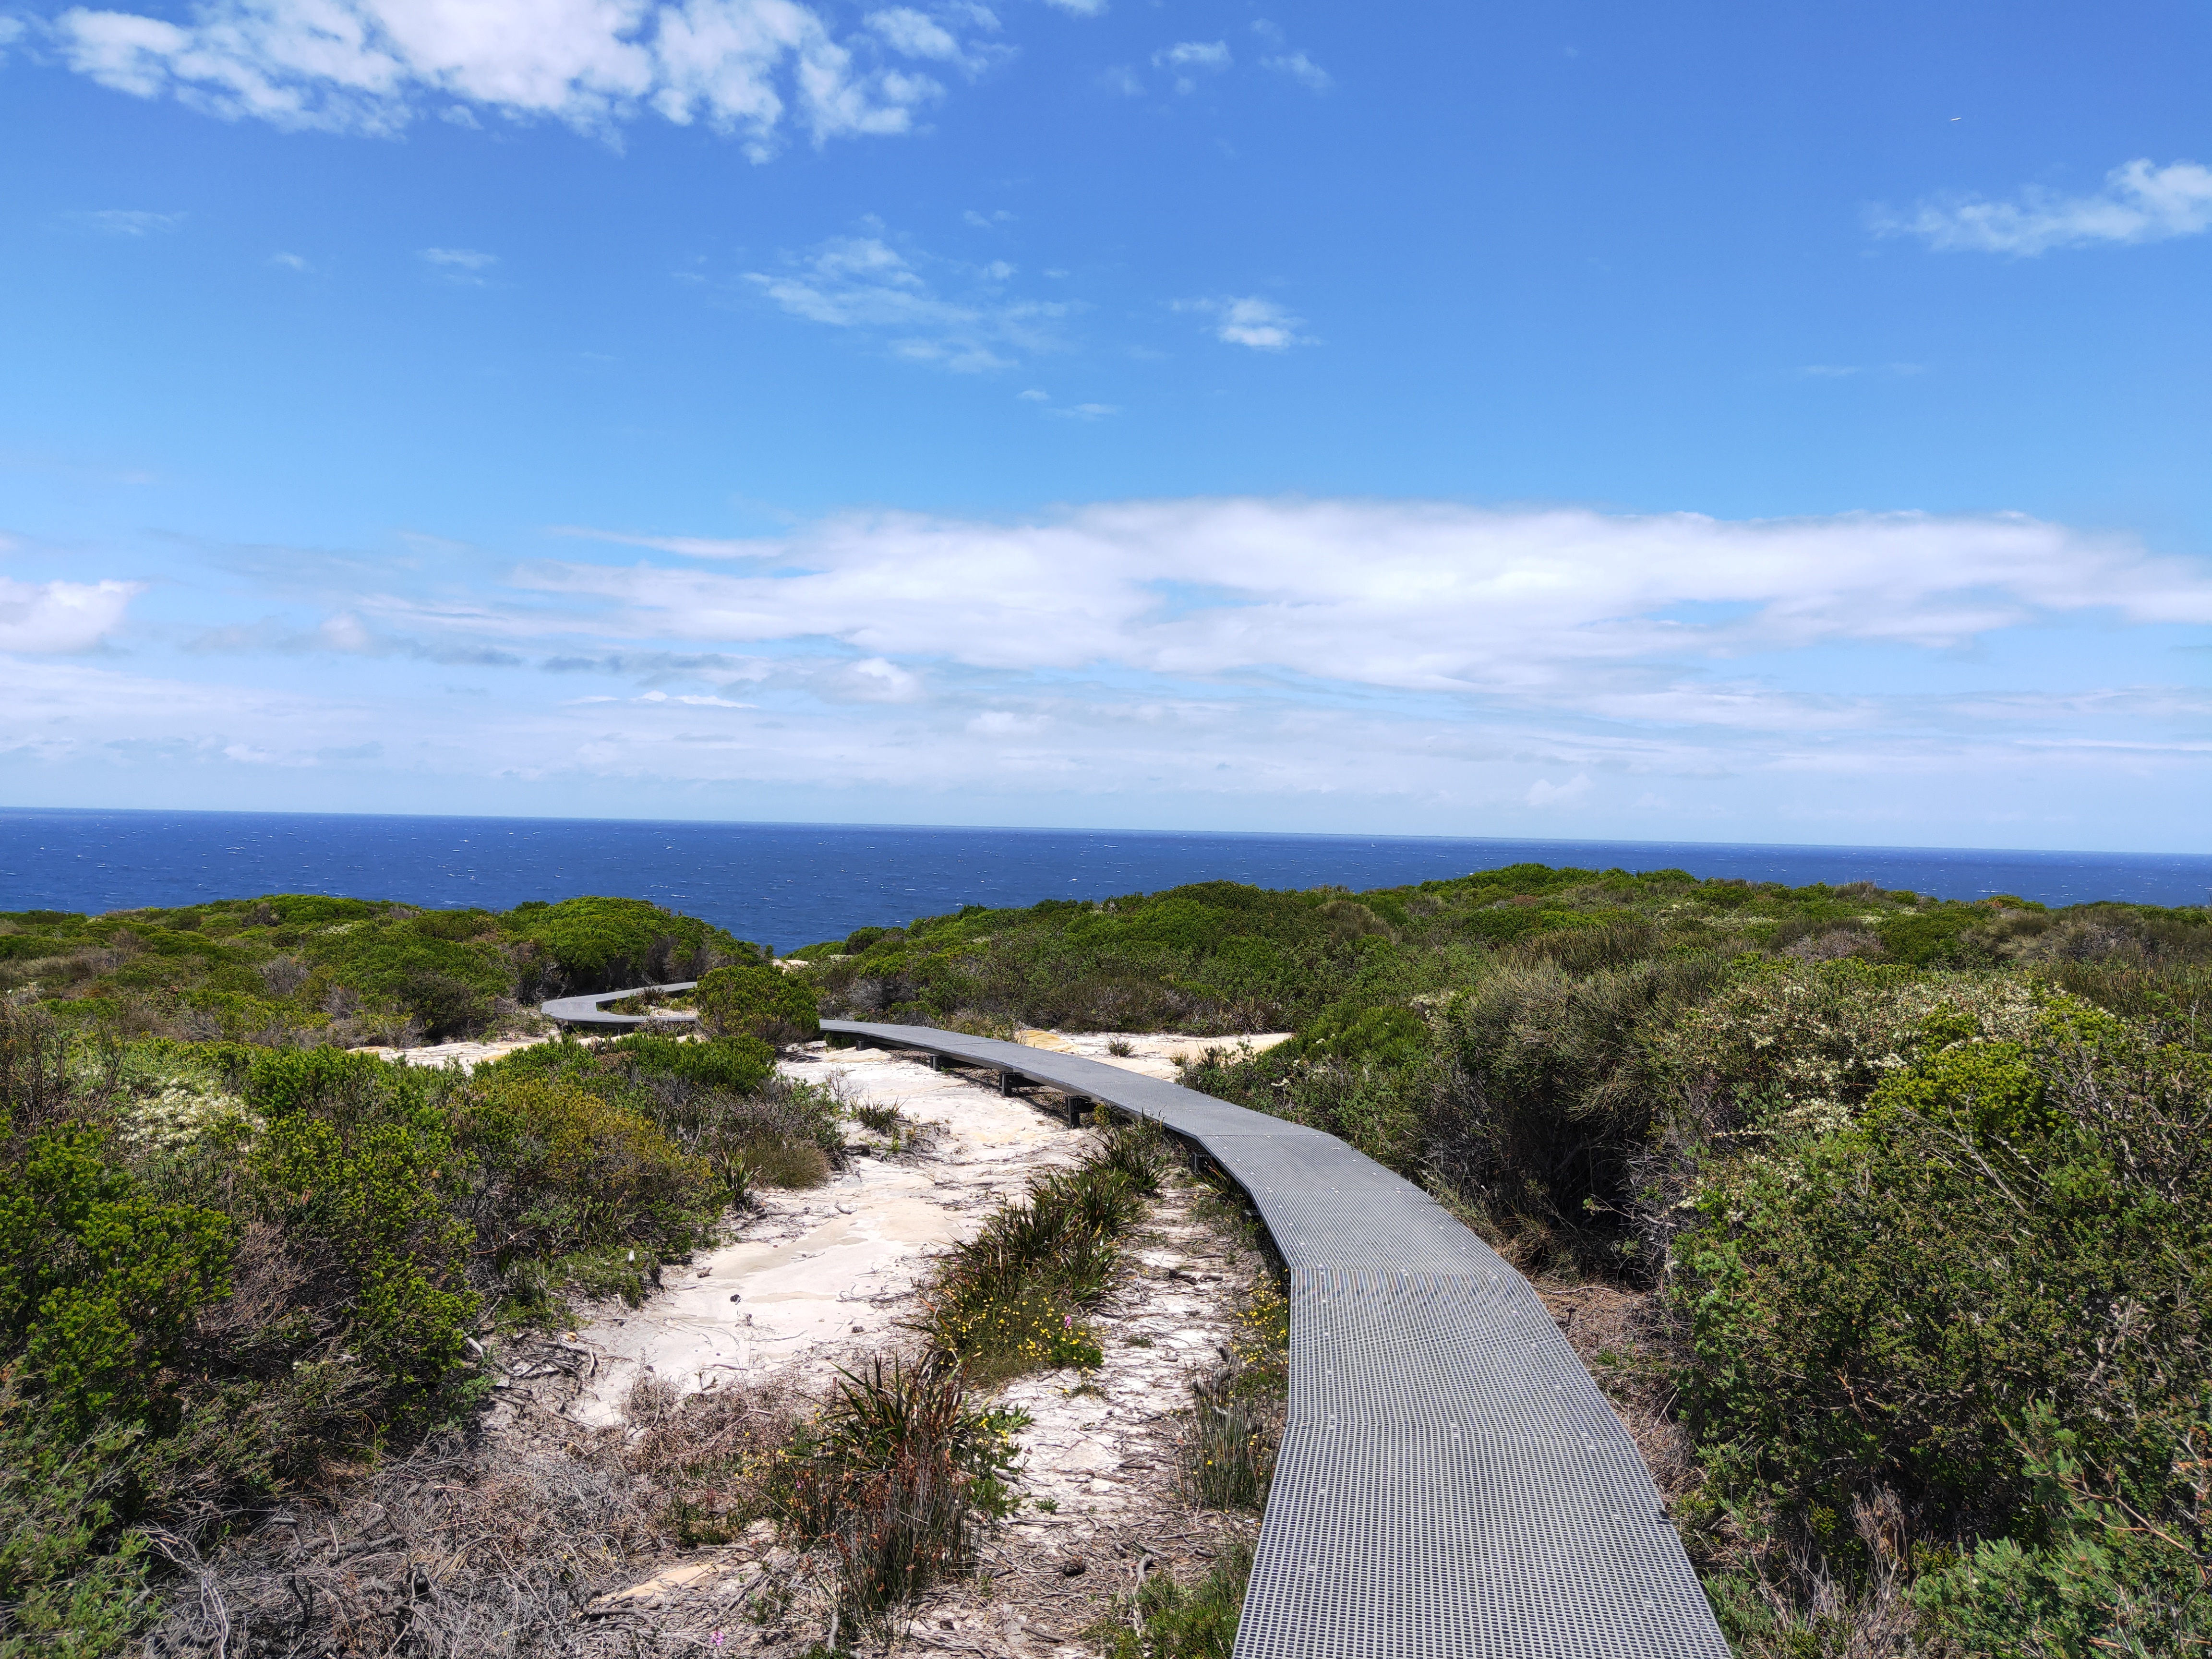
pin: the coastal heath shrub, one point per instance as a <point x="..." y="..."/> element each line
<point x="558" y="1169"/>
<point x="750" y="998"/>
<point x="99" y="1280"/>
<point x="354" y="1162"/>
<point x="2005" y="1229"/>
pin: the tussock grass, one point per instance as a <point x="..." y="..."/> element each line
<point x="892" y="1476"/>
<point x="1008" y="1301"/>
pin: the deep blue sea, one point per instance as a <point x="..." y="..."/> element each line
<point x="788" y="884"/>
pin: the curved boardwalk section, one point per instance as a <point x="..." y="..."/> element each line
<point x="1451" y="1481"/>
<point x="592" y="1011"/>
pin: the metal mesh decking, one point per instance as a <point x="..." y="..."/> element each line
<point x="1452" y="1484"/>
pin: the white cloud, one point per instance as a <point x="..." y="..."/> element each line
<point x="863" y="283"/>
<point x="1251" y="321"/>
<point x="1034" y="396"/>
<point x="2141" y="203"/>
<point x="1416" y="596"/>
<point x="1081" y="7"/>
<point x="1308" y="664"/>
<point x="52" y="617"/>
<point x="1088" y="412"/>
<point x="749" y="67"/>
<point x="457" y="258"/>
<point x="1187" y="59"/>
<point x="1121" y="80"/>
<point x="11" y="30"/>
<point x="289" y="262"/>
<point x="129" y="221"/>
<point x="1194" y="55"/>
<point x="462" y="267"/>
<point x="1301" y="69"/>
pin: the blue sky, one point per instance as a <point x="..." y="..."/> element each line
<point x="1723" y="423"/>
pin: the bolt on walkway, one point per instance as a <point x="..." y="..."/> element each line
<point x="1451" y="1485"/>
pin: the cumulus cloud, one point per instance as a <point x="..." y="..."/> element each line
<point x="1251" y="321"/>
<point x="2141" y="202"/>
<point x="747" y="67"/>
<point x="45" y="617"/>
<point x="863" y="283"/>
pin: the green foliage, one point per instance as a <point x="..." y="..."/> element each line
<point x="558" y="1169"/>
<point x="2002" y="1226"/>
<point x="737" y="1064"/>
<point x="2120" y="1563"/>
<point x="1163" y="1619"/>
<point x="102" y="1283"/>
<point x="269" y="968"/>
<point x="750" y="1000"/>
<point x="72" y="1578"/>
<point x="604" y="943"/>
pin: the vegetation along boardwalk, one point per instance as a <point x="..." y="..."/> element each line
<point x="1451" y="1482"/>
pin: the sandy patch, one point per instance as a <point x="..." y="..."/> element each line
<point x="463" y="1055"/>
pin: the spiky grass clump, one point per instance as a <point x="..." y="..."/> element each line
<point x="892" y="1478"/>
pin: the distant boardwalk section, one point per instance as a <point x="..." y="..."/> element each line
<point x="1451" y="1481"/>
<point x="591" y="1011"/>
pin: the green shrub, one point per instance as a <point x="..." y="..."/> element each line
<point x="98" y="1281"/>
<point x="737" y="1064"/>
<point x="750" y="1000"/>
<point x="1006" y="1302"/>
<point x="2003" y="1226"/>
<point x="559" y="1169"/>
<point x="72" y="1578"/>
<point x="354" y="1163"/>
<point x="602" y="944"/>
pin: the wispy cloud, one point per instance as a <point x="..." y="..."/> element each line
<point x="2141" y="202"/>
<point x="1187" y="59"/>
<point x="1297" y="66"/>
<point x="752" y="68"/>
<point x="1251" y="321"/>
<point x="464" y="267"/>
<point x="865" y="284"/>
<point x="129" y="221"/>
<point x="1416" y="663"/>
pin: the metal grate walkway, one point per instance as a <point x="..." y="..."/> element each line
<point x="1452" y="1484"/>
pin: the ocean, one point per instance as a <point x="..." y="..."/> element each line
<point x="789" y="885"/>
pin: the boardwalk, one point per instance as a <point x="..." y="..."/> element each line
<point x="1451" y="1481"/>
<point x="1452" y="1484"/>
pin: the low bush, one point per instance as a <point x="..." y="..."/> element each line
<point x="751" y="1000"/>
<point x="557" y="1169"/>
